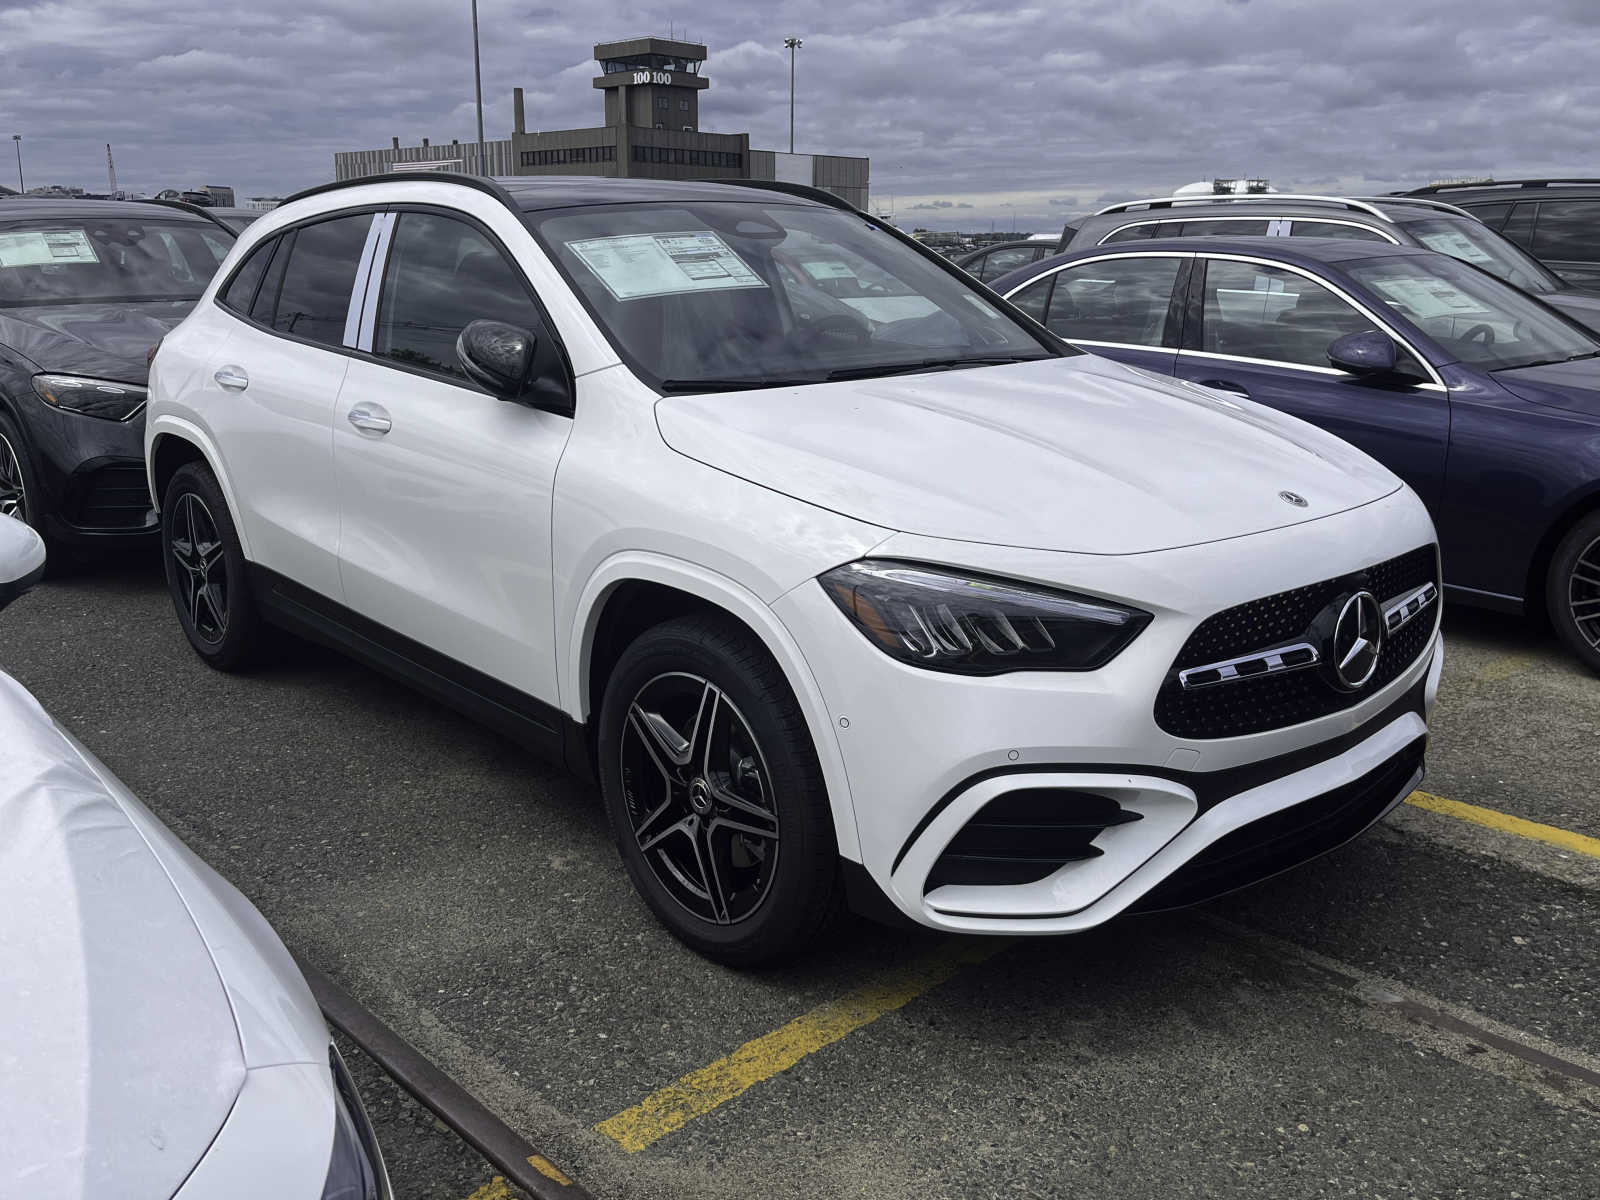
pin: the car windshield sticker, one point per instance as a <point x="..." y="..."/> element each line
<point x="1424" y="296"/>
<point x="37" y="247"/>
<point x="665" y="264"/>
<point x="828" y="270"/>
<point x="1456" y="245"/>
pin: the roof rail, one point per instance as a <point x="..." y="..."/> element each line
<point x="1433" y="188"/>
<point x="197" y="209"/>
<point x="1420" y="201"/>
<point x="1253" y="198"/>
<point x="803" y="190"/>
<point x="481" y="182"/>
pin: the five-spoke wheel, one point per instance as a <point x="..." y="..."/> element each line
<point x="202" y="571"/>
<point x="714" y="793"/>
<point x="206" y="571"/>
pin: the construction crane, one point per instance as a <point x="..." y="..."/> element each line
<point x="111" y="170"/>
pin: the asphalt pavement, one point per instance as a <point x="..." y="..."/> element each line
<point x="1413" y="1015"/>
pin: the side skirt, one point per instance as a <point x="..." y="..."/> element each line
<point x="530" y="722"/>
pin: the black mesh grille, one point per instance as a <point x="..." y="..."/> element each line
<point x="1273" y="701"/>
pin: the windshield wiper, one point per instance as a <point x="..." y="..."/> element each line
<point x="931" y="364"/>
<point x="737" y="385"/>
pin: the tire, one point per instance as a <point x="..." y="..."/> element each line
<point x="1572" y="590"/>
<point x="704" y="756"/>
<point x="206" y="572"/>
<point x="22" y="497"/>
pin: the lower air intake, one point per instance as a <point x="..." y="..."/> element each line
<point x="1023" y="836"/>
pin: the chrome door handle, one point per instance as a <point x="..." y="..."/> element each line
<point x="369" y="418"/>
<point x="233" y="378"/>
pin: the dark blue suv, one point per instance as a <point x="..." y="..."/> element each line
<point x="1482" y="398"/>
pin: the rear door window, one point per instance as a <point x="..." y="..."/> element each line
<point x="314" y="297"/>
<point x="1222" y="227"/>
<point x="1119" y="300"/>
<point x="1568" y="231"/>
<point x="443" y="274"/>
<point x="1334" y="229"/>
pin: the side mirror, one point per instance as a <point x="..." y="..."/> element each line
<point x="516" y="364"/>
<point x="1368" y="353"/>
<point x="21" y="559"/>
<point x="497" y="357"/>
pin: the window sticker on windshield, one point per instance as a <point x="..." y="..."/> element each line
<point x="665" y="264"/>
<point x="1424" y="297"/>
<point x="828" y="270"/>
<point x="37" y="247"/>
<point x="1456" y="245"/>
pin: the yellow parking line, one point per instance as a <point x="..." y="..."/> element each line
<point x="698" y="1092"/>
<point x="1493" y="819"/>
<point x="496" y="1189"/>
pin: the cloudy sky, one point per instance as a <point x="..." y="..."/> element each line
<point x="972" y="112"/>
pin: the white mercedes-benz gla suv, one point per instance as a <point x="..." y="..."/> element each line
<point x="844" y="576"/>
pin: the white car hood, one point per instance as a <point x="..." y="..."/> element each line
<point x="1074" y="454"/>
<point x="119" y="1054"/>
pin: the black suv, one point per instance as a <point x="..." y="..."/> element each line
<point x="1399" y="220"/>
<point x="1555" y="220"/>
<point x="87" y="287"/>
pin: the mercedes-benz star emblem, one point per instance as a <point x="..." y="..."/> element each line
<point x="1357" y="641"/>
<point x="1294" y="498"/>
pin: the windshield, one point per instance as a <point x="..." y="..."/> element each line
<point x="1473" y="316"/>
<point x="77" y="261"/>
<point x="1474" y="242"/>
<point x="734" y="295"/>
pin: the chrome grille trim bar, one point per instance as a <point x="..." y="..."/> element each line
<point x="1398" y="613"/>
<point x="1294" y="657"/>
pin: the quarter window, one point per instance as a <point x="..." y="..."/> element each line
<point x="1132" y="233"/>
<point x="1568" y="231"/>
<point x="314" y="298"/>
<point x="1035" y="298"/>
<point x="1519" y="225"/>
<point x="1492" y="215"/>
<point x="1121" y="300"/>
<point x="1255" y="311"/>
<point x="443" y="274"/>
<point x="241" y="290"/>
<point x="1221" y="227"/>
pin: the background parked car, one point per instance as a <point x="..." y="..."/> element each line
<point x="87" y="287"/>
<point x="1556" y="220"/>
<point x="159" y="1040"/>
<point x="235" y="219"/>
<point x="1484" y="400"/>
<point x="1400" y="221"/>
<point x="991" y="262"/>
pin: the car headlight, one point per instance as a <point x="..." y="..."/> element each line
<point x="104" y="398"/>
<point x="355" y="1170"/>
<point x="950" y="620"/>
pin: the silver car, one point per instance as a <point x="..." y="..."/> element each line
<point x="156" y="1039"/>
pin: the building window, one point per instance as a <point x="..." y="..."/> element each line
<point x="674" y="156"/>
<point x="683" y="106"/>
<point x="662" y="103"/>
<point x="574" y="154"/>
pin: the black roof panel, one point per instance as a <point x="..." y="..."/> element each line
<point x="13" y="208"/>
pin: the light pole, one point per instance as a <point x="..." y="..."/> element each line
<point x="793" y="44"/>
<point x="477" y="80"/>
<point x="21" y="188"/>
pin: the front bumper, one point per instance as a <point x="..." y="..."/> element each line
<point x="91" y="473"/>
<point x="924" y="752"/>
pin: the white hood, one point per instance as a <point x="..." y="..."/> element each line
<point x="1075" y="454"/>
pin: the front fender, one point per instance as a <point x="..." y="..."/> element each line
<point x="729" y="595"/>
<point x="167" y="425"/>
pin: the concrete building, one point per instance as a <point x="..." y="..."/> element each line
<point x="652" y="130"/>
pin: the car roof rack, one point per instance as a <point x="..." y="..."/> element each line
<point x="1419" y="201"/>
<point x="197" y="209"/>
<point x="480" y="182"/>
<point x="1253" y="198"/>
<point x="1496" y="183"/>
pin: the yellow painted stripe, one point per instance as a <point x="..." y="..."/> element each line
<point x="1493" y="819"/>
<point x="697" y="1093"/>
<point x="548" y="1169"/>
<point x="496" y="1189"/>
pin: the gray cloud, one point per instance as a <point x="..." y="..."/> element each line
<point x="1013" y="111"/>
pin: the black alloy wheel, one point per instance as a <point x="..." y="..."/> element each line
<point x="714" y="794"/>
<point x="696" y="789"/>
<point x="202" y="571"/>
<point x="205" y="568"/>
<point x="1573" y="590"/>
<point x="13" y="488"/>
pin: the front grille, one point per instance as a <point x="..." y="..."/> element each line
<point x="1289" y="837"/>
<point x="1023" y="836"/>
<point x="1273" y="701"/>
<point x="111" y="497"/>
